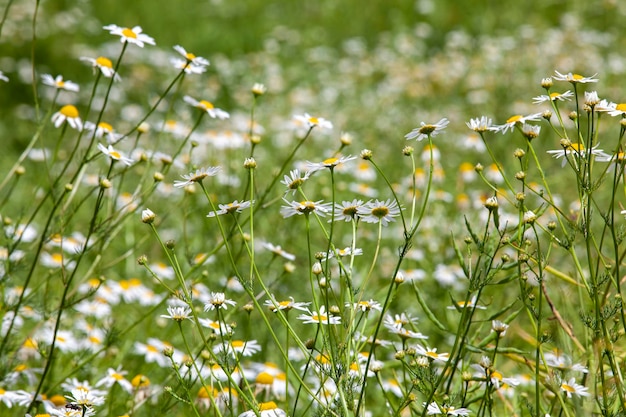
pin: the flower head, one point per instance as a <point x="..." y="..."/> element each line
<point x="348" y="210"/>
<point x="379" y="211"/>
<point x="59" y="83"/>
<point x="328" y="163"/>
<point x="268" y="409"/>
<point x="218" y="300"/>
<point x="231" y="208"/>
<point x="311" y="121"/>
<point x="448" y="410"/>
<point x="69" y="114"/>
<point x="517" y="120"/>
<point x="574" y="78"/>
<point x="482" y="124"/>
<point x="177" y="313"/>
<point x="113" y="154"/>
<point x="321" y="317"/>
<point x="197" y="176"/>
<point x="104" y="65"/>
<point x="294" y="180"/>
<point x="305" y="207"/>
<point x="207" y="107"/>
<point x="128" y="35"/>
<point x="566" y="96"/>
<point x="191" y="63"/>
<point x="427" y="130"/>
<point x="570" y="387"/>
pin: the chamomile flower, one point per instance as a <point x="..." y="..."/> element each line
<point x="399" y="320"/>
<point x="517" y="120"/>
<point x="431" y="353"/>
<point x="481" y="124"/>
<point x="114" y="155"/>
<point x="294" y="180"/>
<point x="427" y="130"/>
<point x="207" y="107"/>
<point x="616" y="109"/>
<point x="404" y="333"/>
<point x="152" y="351"/>
<point x="279" y="251"/>
<point x="379" y="211"/>
<point x="311" y="121"/>
<point x="217" y="327"/>
<point x="235" y="347"/>
<point x="268" y="409"/>
<point x="321" y="317"/>
<point x="574" y="78"/>
<point x="348" y="210"/>
<point x="177" y="313"/>
<point x="103" y="64"/>
<point x="218" y="300"/>
<point x="231" y="208"/>
<point x="575" y="150"/>
<point x="448" y="410"/>
<point x="570" y="387"/>
<point x="116" y="376"/>
<point x="103" y="129"/>
<point x="60" y="84"/>
<point x="466" y="304"/>
<point x="566" y="96"/>
<point x="305" y="207"/>
<point x="286" y="305"/>
<point x="328" y="163"/>
<point x="197" y="176"/>
<point x="366" y="306"/>
<point x="340" y="253"/>
<point x="128" y="35"/>
<point x="563" y="362"/>
<point x="192" y="64"/>
<point x="69" y="114"/>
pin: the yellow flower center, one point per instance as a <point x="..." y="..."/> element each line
<point x="152" y="349"/>
<point x="578" y="147"/>
<point x="190" y="56"/>
<point x="104" y="62"/>
<point x="621" y="107"/>
<point x="69" y="111"/>
<point x="57" y="258"/>
<point x="58" y="400"/>
<point x="554" y="96"/>
<point x="497" y="375"/>
<point x="577" y="77"/>
<point x="115" y="155"/>
<point x="270" y="405"/>
<point x="60" y="83"/>
<point x="140" y="381"/>
<point x="314" y="120"/>
<point x="567" y="387"/>
<point x="427" y="129"/>
<point x="330" y="161"/>
<point x="306" y="207"/>
<point x="129" y="33"/>
<point x="380" y="212"/>
<point x="20" y="368"/>
<point x="514" y="119"/>
<point x="237" y="344"/>
<point x="318" y="318"/>
<point x="264" y="379"/>
<point x="203" y="392"/>
<point x="105" y="126"/>
<point x="117" y="377"/>
<point x="205" y="105"/>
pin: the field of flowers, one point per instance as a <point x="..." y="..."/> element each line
<point x="268" y="209"/>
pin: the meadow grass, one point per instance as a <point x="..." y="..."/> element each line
<point x="424" y="218"/>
